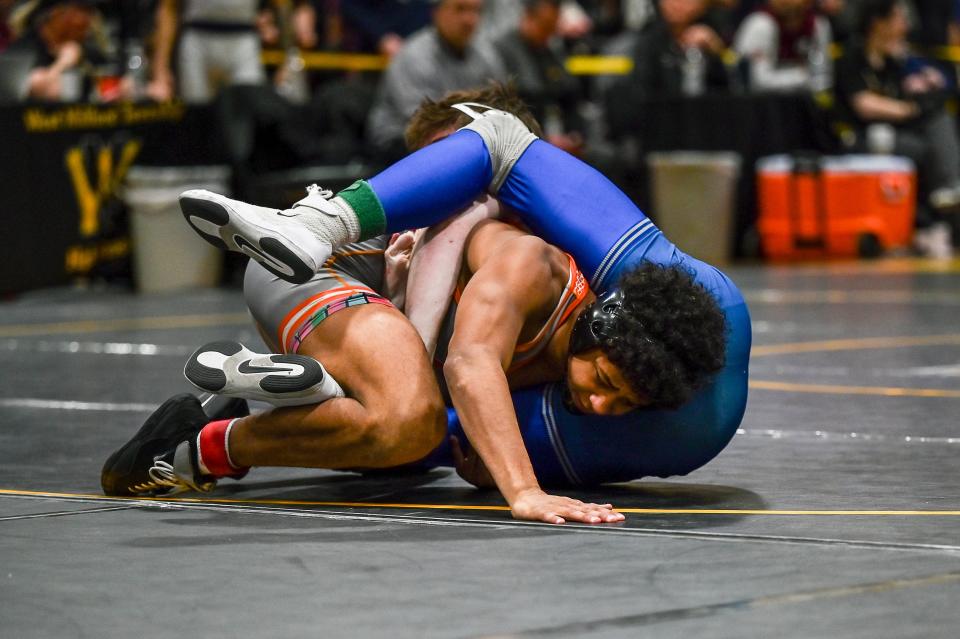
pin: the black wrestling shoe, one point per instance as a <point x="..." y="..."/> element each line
<point x="219" y="407"/>
<point x="161" y="459"/>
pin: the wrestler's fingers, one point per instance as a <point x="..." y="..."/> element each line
<point x="600" y="506"/>
<point x="399" y="243"/>
<point x="595" y="515"/>
<point x="609" y="516"/>
<point x="576" y="514"/>
<point x="608" y="513"/>
<point x="404" y="241"/>
<point x="581" y="515"/>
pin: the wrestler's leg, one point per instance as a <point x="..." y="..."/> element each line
<point x="393" y="414"/>
<point x="563" y="200"/>
<point x="558" y="196"/>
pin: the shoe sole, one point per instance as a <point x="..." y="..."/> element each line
<point x="219" y="223"/>
<point x="111" y="476"/>
<point x="231" y="369"/>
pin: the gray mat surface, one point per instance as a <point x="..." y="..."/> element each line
<point x="835" y="512"/>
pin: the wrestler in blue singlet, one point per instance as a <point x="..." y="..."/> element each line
<point x="574" y="207"/>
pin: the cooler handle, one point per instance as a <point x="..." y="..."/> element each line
<point x="806" y="164"/>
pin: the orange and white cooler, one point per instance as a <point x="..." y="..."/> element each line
<point x="834" y="206"/>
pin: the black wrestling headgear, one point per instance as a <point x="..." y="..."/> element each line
<point x="596" y="326"/>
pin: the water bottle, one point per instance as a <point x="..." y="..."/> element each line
<point x="293" y="83"/>
<point x="819" y="65"/>
<point x="136" y="70"/>
<point x="694" y="71"/>
<point x="881" y="138"/>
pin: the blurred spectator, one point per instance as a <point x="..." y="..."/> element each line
<point x="726" y="15"/>
<point x="937" y="24"/>
<point x="574" y="22"/>
<point x="934" y="19"/>
<point x="538" y="71"/>
<point x="677" y="53"/>
<point x="56" y="33"/>
<point x="381" y="26"/>
<point x="218" y="45"/>
<point x="283" y="23"/>
<point x="499" y="16"/>
<point x="439" y="58"/>
<point x="6" y="34"/>
<point x="953" y="31"/>
<point x="898" y="106"/>
<point x="786" y="47"/>
<point x="611" y="17"/>
<point x="842" y="17"/>
<point x="291" y="26"/>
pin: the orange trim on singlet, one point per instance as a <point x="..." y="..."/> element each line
<point x="333" y="258"/>
<point x="336" y="276"/>
<point x="330" y="293"/>
<point x="573" y="295"/>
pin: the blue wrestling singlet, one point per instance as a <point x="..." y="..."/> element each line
<point x="574" y="207"/>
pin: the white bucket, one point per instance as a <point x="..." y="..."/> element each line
<point x="694" y="199"/>
<point x="167" y="254"/>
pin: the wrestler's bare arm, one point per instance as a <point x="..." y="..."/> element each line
<point x="437" y="256"/>
<point x="513" y="280"/>
<point x="436" y="262"/>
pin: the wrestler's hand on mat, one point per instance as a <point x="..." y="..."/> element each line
<point x="469" y="465"/>
<point x="536" y="505"/>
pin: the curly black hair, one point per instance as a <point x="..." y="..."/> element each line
<point x="670" y="335"/>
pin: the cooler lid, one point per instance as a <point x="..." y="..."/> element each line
<point x="783" y="163"/>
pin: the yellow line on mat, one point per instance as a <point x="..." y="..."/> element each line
<point x="889" y="266"/>
<point x="125" y="324"/>
<point x="831" y="389"/>
<point x="349" y="504"/>
<point x="854" y="344"/>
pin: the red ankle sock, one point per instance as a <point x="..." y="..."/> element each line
<point x="213" y="446"/>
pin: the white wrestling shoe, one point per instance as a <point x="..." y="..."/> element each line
<point x="231" y="369"/>
<point x="292" y="244"/>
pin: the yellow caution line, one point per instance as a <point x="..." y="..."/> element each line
<point x="326" y="60"/>
<point x="576" y="65"/>
<point x="599" y="65"/>
<point x="948" y="54"/>
<point x="854" y="344"/>
<point x="321" y="60"/>
<point x="348" y="504"/>
<point x="831" y="389"/>
<point x="128" y="324"/>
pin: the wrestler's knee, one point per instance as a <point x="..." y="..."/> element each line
<point x="402" y="434"/>
<point x="506" y="138"/>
